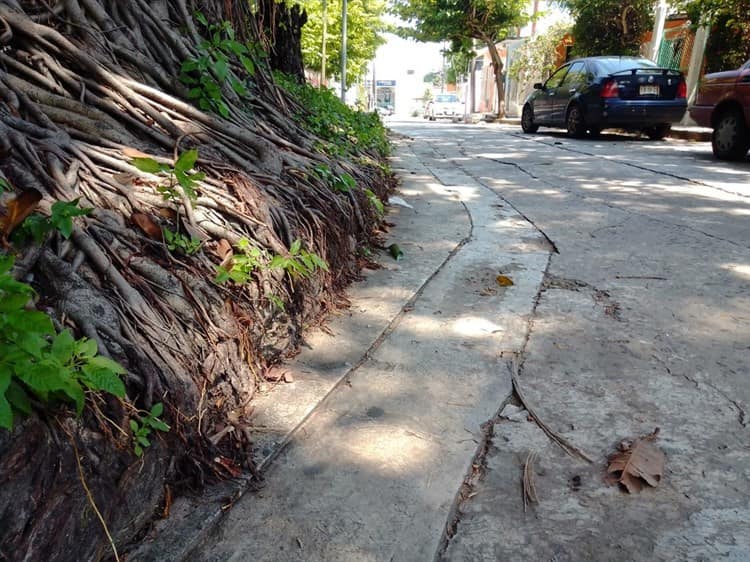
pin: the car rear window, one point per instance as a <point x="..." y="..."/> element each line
<point x="446" y="98"/>
<point x="609" y="66"/>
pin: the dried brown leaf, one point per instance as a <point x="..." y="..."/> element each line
<point x="147" y="225"/>
<point x="637" y="463"/>
<point x="16" y="210"/>
<point x="504" y="281"/>
<point x="134" y="153"/>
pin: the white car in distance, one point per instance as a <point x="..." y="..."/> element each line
<point x="446" y="106"/>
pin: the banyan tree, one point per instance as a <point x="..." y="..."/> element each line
<point x="170" y="220"/>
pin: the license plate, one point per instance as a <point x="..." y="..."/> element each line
<point x="649" y="90"/>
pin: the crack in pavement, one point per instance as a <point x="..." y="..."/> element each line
<point x="633" y="165"/>
<point x="607" y="204"/>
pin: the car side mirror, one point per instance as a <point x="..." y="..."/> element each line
<point x="538" y="86"/>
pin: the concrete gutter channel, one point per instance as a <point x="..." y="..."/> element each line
<point x="384" y="417"/>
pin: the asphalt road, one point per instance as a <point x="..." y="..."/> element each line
<point x="628" y="310"/>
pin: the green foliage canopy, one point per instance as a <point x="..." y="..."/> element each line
<point x="462" y="21"/>
<point x="729" y="36"/>
<point x="609" y="27"/>
<point x="365" y="28"/>
<point x="537" y="58"/>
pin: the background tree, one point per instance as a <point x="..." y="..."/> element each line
<point x="609" y="27"/>
<point x="460" y="21"/>
<point x="535" y="60"/>
<point x="729" y="36"/>
<point x="365" y="30"/>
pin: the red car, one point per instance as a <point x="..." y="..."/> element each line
<point x="723" y="103"/>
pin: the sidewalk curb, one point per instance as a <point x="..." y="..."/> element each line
<point x="697" y="134"/>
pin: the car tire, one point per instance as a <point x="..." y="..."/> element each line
<point x="595" y="132"/>
<point x="575" y="123"/>
<point x="527" y="120"/>
<point x="730" y="139"/>
<point x="658" y="132"/>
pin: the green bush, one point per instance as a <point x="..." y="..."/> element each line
<point x="37" y="363"/>
<point x="346" y="130"/>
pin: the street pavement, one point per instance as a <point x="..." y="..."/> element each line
<point x="611" y="275"/>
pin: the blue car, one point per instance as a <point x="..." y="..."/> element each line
<point x="595" y="93"/>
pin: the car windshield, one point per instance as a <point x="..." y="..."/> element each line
<point x="446" y="98"/>
<point x="610" y="66"/>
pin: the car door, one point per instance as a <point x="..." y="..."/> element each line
<point x="544" y="101"/>
<point x="573" y="82"/>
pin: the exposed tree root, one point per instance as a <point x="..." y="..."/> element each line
<point x="84" y="85"/>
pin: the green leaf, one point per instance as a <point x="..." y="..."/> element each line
<point x="189" y="65"/>
<point x="134" y="426"/>
<point x="239" y="87"/>
<point x="221" y="69"/>
<point x="186" y="161"/>
<point x="157" y="409"/>
<point x="62" y="346"/>
<point x="44" y="376"/>
<point x="74" y="391"/>
<point x="222" y="275"/>
<point x="5" y="185"/>
<point x="148" y="165"/>
<point x="143" y="441"/>
<point x="86" y="348"/>
<point x="159" y="425"/>
<point x="138" y="450"/>
<point x="248" y="65"/>
<point x="6" y="413"/>
<point x="201" y="18"/>
<point x="18" y="398"/>
<point x="195" y="93"/>
<point x="102" y="362"/>
<point x="223" y="108"/>
<point x="295" y="247"/>
<point x="103" y="379"/>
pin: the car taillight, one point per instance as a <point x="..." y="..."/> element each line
<point x="682" y="90"/>
<point x="610" y="89"/>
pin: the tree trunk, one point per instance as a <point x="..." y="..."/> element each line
<point x="283" y="26"/>
<point x="86" y="85"/>
<point x="497" y="69"/>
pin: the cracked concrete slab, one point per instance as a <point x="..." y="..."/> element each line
<point x="644" y="322"/>
<point x="373" y="473"/>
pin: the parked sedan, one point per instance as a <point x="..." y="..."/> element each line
<point x="596" y="93"/>
<point x="446" y="106"/>
<point x="723" y="103"/>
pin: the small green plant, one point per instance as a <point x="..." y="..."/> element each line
<point x="299" y="263"/>
<point x="5" y="185"/>
<point x="207" y="73"/>
<point x="375" y="201"/>
<point x="276" y="300"/>
<point x="38" y="363"/>
<point x="243" y="263"/>
<point x="343" y="183"/>
<point x="176" y="241"/>
<point x="179" y="175"/>
<point x="37" y="226"/>
<point x="143" y="426"/>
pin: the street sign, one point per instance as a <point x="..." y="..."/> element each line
<point x="385" y="83"/>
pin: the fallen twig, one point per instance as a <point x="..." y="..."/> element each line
<point x="529" y="487"/>
<point x="564" y="444"/>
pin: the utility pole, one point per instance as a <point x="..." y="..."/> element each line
<point x="323" y="50"/>
<point x="343" y="51"/>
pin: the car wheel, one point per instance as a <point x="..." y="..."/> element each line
<point x="527" y="120"/>
<point x="576" y="126"/>
<point x="658" y="132"/>
<point x="594" y="132"/>
<point x="730" y="139"/>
